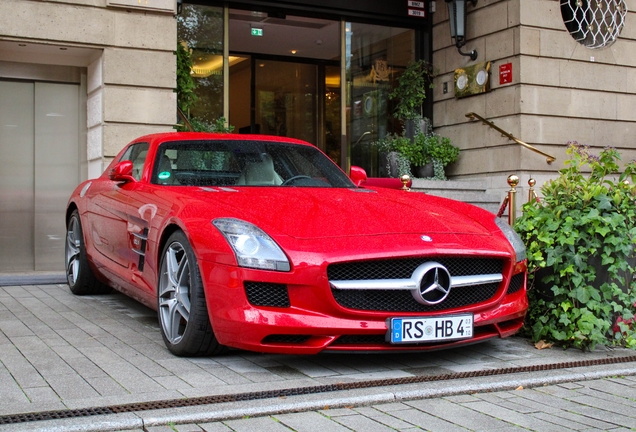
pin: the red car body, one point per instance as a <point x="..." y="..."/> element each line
<point x="328" y="234"/>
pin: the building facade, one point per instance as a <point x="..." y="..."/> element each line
<point x="81" y="78"/>
<point x="546" y="88"/>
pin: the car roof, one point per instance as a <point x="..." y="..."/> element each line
<point x="196" y="136"/>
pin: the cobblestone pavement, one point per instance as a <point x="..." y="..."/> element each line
<point x="60" y="352"/>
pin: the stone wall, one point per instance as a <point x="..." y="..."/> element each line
<point x="561" y="90"/>
<point x="128" y="58"/>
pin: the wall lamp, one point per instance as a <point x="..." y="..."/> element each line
<point x="457" y="19"/>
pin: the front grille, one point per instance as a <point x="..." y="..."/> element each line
<point x="285" y="339"/>
<point x="516" y="283"/>
<point x="266" y="294"/>
<point x="403" y="268"/>
<point x="403" y="301"/>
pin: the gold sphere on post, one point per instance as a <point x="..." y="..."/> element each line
<point x="532" y="182"/>
<point x="513" y="180"/>
<point x="405" y="179"/>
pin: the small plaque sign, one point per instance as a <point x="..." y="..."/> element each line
<point x="417" y="13"/>
<point x="505" y="73"/>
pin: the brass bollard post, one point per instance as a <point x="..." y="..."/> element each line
<point x="513" y="181"/>
<point x="531" y="193"/>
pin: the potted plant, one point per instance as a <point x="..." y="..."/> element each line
<point x="410" y="94"/>
<point x="400" y="154"/>
<point x="426" y="156"/>
<point x="440" y="152"/>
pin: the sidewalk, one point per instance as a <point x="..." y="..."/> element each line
<point x="99" y="363"/>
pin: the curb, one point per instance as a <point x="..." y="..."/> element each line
<point x="314" y="402"/>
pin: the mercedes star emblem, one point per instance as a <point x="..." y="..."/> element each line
<point x="434" y="283"/>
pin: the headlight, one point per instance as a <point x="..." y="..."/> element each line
<point x="513" y="238"/>
<point x="252" y="247"/>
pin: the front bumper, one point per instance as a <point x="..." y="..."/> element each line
<point x="313" y="321"/>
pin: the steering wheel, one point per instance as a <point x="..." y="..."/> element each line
<point x="294" y="178"/>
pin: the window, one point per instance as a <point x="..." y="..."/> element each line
<point x="594" y="23"/>
<point x="136" y="153"/>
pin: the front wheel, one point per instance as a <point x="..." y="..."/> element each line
<point x="183" y="313"/>
<point x="79" y="275"/>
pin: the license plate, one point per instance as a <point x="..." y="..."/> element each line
<point x="432" y="329"/>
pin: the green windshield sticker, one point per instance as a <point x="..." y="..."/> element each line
<point x="164" y="175"/>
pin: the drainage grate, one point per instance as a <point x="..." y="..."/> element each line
<point x="207" y="400"/>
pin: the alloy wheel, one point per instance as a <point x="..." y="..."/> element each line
<point x="174" y="293"/>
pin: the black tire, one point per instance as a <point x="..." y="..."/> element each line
<point x="80" y="276"/>
<point x="183" y="313"/>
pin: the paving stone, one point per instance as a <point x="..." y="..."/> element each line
<point x="141" y="361"/>
<point x="229" y="377"/>
<point x="38" y="395"/>
<point x="188" y="428"/>
<point x="172" y="382"/>
<point x="106" y="386"/>
<point x="214" y="427"/>
<point x="261" y="424"/>
<point x="391" y="407"/>
<point x="392" y="421"/>
<point x="13" y="328"/>
<point x="513" y="417"/>
<point x="241" y="366"/>
<point x="71" y="386"/>
<point x="159" y="429"/>
<point x="520" y="405"/>
<point x="310" y="369"/>
<point x="416" y="417"/>
<point x="338" y="412"/>
<point x="462" y="415"/>
<point x="200" y="379"/>
<point x="362" y="423"/>
<point x="612" y="387"/>
<point x="567" y="421"/>
<point x="619" y="399"/>
<point x="309" y="422"/>
<point x="285" y="372"/>
<point x="10" y="390"/>
<point x="461" y="398"/>
<point x="21" y="370"/>
<point x="571" y="386"/>
<point x="606" y="409"/>
<point x="366" y="411"/>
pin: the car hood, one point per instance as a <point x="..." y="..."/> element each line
<point x="311" y="213"/>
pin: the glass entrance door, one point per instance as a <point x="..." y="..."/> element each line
<point x="285" y="99"/>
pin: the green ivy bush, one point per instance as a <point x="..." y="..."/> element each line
<point x="580" y="241"/>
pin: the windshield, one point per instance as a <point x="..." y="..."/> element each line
<point x="245" y="163"/>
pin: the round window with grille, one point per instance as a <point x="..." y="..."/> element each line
<point x="594" y="23"/>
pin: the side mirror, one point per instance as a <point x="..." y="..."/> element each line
<point x="358" y="175"/>
<point x="122" y="172"/>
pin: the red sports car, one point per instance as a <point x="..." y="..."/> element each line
<point x="262" y="243"/>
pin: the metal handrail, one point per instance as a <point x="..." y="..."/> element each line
<point x="183" y="117"/>
<point x="473" y="116"/>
